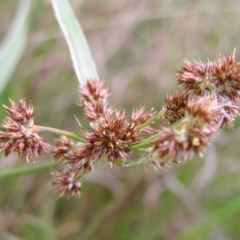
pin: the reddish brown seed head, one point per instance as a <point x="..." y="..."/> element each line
<point x="174" y="106"/>
<point x="93" y="91"/>
<point x="94" y="99"/>
<point x="66" y="183"/>
<point x="140" y="116"/>
<point x="204" y="109"/>
<point x="21" y="113"/>
<point x="226" y="75"/>
<point x="63" y="146"/>
<point x="195" y="77"/>
<point x="20" y="135"/>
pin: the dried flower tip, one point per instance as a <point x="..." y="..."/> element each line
<point x="174" y="106"/>
<point x="62" y="146"/>
<point x="84" y="166"/>
<point x="226" y="75"/>
<point x="229" y="112"/>
<point x="27" y="144"/>
<point x="196" y="77"/>
<point x="66" y="183"/>
<point x="93" y="92"/>
<point x="140" y="116"/>
<point x="168" y="143"/>
<point x="76" y="156"/>
<point x="178" y="144"/>
<point x="94" y="111"/>
<point x="20" y="135"/>
<point x="94" y="99"/>
<point x="204" y="109"/>
<point x="21" y="113"/>
<point x="111" y="137"/>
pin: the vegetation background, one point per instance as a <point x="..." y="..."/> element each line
<point x="137" y="45"/>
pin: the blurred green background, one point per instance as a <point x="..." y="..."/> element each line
<point x="138" y="45"/>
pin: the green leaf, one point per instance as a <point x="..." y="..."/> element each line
<point x="13" y="45"/>
<point x="84" y="65"/>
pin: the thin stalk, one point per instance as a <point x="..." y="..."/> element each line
<point x="177" y="124"/>
<point x="60" y="132"/>
<point x="27" y="170"/>
<point x="146" y="142"/>
<point x="151" y="120"/>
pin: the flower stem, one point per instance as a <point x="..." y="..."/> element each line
<point x="27" y="170"/>
<point x="151" y="120"/>
<point x="60" y="132"/>
<point x="146" y="142"/>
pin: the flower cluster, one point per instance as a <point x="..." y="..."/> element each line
<point x="205" y="100"/>
<point x="66" y="183"/>
<point x="20" y="135"/>
<point x="110" y="136"/>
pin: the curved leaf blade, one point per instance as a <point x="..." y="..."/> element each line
<point x="84" y="65"/>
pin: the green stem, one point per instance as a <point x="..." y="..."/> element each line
<point x="177" y="124"/>
<point x="27" y="170"/>
<point x="146" y="142"/>
<point x="60" y="132"/>
<point x="151" y="120"/>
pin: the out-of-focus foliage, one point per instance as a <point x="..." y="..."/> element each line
<point x="137" y="46"/>
<point x="12" y="47"/>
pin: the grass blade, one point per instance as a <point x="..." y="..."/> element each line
<point x="13" y="45"/>
<point x="80" y="53"/>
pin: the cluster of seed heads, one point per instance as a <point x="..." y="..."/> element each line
<point x="204" y="100"/>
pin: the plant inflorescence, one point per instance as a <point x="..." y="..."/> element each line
<point x="204" y="101"/>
